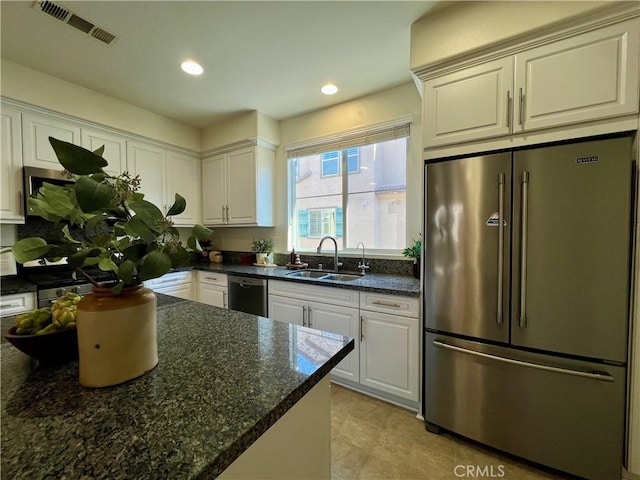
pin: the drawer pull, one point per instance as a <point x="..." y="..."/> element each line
<point x="386" y="304"/>
<point x="11" y="305"/>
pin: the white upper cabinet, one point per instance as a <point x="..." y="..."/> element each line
<point x="214" y="195"/>
<point x="11" y="199"/>
<point x="237" y="187"/>
<point x="115" y="148"/>
<point x="36" y="130"/>
<point x="150" y="162"/>
<point x="183" y="177"/>
<point x="469" y="104"/>
<point x="583" y="78"/>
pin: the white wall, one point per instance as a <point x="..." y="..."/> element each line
<point x="30" y="86"/>
<point x="370" y="110"/>
<point x="466" y="26"/>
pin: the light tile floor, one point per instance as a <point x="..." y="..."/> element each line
<point x="372" y="440"/>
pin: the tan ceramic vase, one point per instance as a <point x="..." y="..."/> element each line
<point x="117" y="335"/>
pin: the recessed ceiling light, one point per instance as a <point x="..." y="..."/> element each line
<point x="329" y="89"/>
<point x="191" y="67"/>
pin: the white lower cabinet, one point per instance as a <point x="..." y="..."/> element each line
<point x="17" y="303"/>
<point x="332" y="310"/>
<point x="213" y="289"/>
<point x="389" y="348"/>
<point x="385" y="327"/>
<point x="176" y="284"/>
<point x="389" y="354"/>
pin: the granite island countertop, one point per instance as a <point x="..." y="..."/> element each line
<point x="223" y="379"/>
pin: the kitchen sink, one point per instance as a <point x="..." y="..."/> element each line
<point x="342" y="277"/>
<point x="323" y="275"/>
<point x="307" y="274"/>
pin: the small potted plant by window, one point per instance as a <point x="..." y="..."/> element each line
<point x="414" y="251"/>
<point x="262" y="248"/>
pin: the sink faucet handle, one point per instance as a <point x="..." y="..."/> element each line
<point x="363" y="267"/>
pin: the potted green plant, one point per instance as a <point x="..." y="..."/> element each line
<point x="262" y="247"/>
<point x="414" y="251"/>
<point x="106" y="222"/>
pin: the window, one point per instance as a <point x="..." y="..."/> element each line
<point x="367" y="205"/>
<point x="331" y="162"/>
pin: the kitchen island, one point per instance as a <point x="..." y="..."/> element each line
<point x="225" y="381"/>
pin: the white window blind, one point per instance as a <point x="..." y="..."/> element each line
<point x="348" y="140"/>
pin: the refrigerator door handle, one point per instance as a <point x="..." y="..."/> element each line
<point x="524" y="179"/>
<point x="500" y="244"/>
<point x="602" y="376"/>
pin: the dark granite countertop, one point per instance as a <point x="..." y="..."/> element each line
<point x="12" y="285"/>
<point x="223" y="379"/>
<point x="373" y="282"/>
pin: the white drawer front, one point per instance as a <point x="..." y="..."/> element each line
<point x="212" y="278"/>
<point x="396" y="304"/>
<point x="17" y="303"/>
<point x="169" y="280"/>
<point x="314" y="293"/>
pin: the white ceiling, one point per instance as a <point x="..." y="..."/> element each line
<point x="270" y="56"/>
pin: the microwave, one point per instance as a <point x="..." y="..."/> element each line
<point x="34" y="177"/>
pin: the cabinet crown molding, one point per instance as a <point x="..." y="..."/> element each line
<point x="531" y="39"/>
<point x="247" y="143"/>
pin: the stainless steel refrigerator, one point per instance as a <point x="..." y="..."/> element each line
<point x="526" y="301"/>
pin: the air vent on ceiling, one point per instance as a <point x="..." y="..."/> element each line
<point x="70" y="18"/>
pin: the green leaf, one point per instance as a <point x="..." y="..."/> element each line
<point x="126" y="270"/>
<point x="76" y="159"/>
<point x="79" y="258"/>
<point x="178" y="206"/>
<point x="106" y="264"/>
<point x="201" y="232"/>
<point x="135" y="252"/>
<point x="179" y="257"/>
<point x="99" y="151"/>
<point x="93" y="196"/>
<point x="137" y="228"/>
<point x="55" y="200"/>
<point x="40" y="208"/>
<point x="117" y="288"/>
<point x="29" y="249"/>
<point x="154" y="265"/>
<point x="67" y="234"/>
<point x="192" y="244"/>
<point x="147" y="212"/>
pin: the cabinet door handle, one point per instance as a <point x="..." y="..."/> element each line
<point x="361" y="328"/>
<point x="10" y="305"/>
<point x="385" y="304"/>
<point x="508" y="109"/>
<point x="521" y="107"/>
<point x="309" y="317"/>
<point x="304" y="316"/>
<point x="222" y="213"/>
<point x="227" y="209"/>
<point x="224" y="299"/>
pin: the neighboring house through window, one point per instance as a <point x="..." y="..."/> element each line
<point x="367" y="205"/>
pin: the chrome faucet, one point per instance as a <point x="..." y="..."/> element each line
<point x="362" y="266"/>
<point x="336" y="263"/>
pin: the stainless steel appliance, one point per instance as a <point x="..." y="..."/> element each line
<point x="53" y="280"/>
<point x="248" y="295"/>
<point x="34" y="177"/>
<point x="526" y="301"/>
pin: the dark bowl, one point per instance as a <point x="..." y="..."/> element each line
<point x="56" y="347"/>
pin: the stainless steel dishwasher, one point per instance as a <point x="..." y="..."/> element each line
<point x="248" y="295"/>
